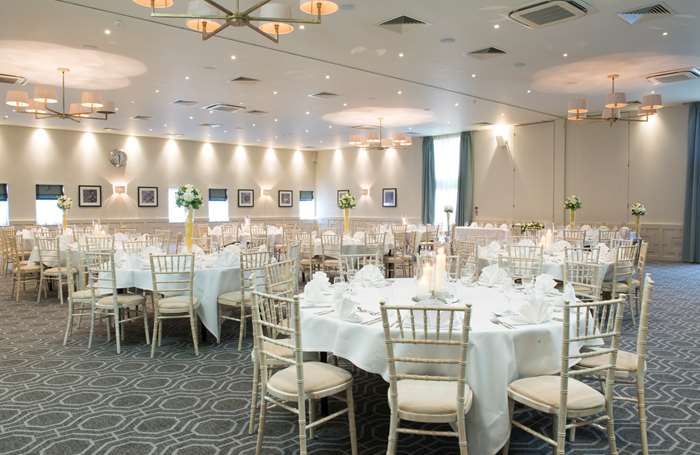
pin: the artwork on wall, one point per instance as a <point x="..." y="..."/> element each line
<point x="285" y="198"/>
<point x="389" y="197"/>
<point x="340" y="194"/>
<point x="148" y="196"/>
<point x="246" y="198"/>
<point x="89" y="195"/>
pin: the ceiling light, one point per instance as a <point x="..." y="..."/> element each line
<point x="45" y="95"/>
<point x="345" y="104"/>
<point x="529" y="91"/>
<point x="276" y="120"/>
<point x="308" y="113"/>
<point x="651" y="102"/>
<point x="664" y="34"/>
<point x="191" y="118"/>
<point x="253" y="124"/>
<point x="473" y="75"/>
<point x="306" y="131"/>
<point x="400" y="54"/>
<point x="456" y="104"/>
<point x="150" y="129"/>
<point x="187" y="78"/>
<point x="328" y="76"/>
<point x="108" y="31"/>
<point x="400" y="92"/>
<point x="165" y="125"/>
<point x="377" y="141"/>
<point x="132" y="102"/>
<point x="564" y="55"/>
<point x="496" y="26"/>
<point x="157" y="90"/>
<point x="233" y="57"/>
<point x="302" y="27"/>
<point x="276" y="27"/>
<point x="330" y="127"/>
<point x="17" y="99"/>
<point x="155" y="3"/>
<point x="274" y="92"/>
<point x="318" y="7"/>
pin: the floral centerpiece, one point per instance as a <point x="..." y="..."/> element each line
<point x="346" y="202"/>
<point x="531" y="226"/>
<point x="64" y="203"/>
<point x="448" y="209"/>
<point x="572" y="203"/>
<point x="190" y="198"/>
<point x="638" y="211"/>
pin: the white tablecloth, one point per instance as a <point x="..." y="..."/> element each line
<point x="497" y="355"/>
<point x="470" y="234"/>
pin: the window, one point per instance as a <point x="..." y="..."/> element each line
<point x="175" y="214"/>
<point x="307" y="205"/>
<point x="446" y="175"/>
<point x="218" y="205"/>
<point x="47" y="211"/>
<point x="4" y="206"/>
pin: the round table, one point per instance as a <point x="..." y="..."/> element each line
<point x="497" y="355"/>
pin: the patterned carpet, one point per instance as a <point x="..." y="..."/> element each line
<point x="71" y="400"/>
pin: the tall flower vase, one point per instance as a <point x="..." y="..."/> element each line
<point x="346" y="221"/>
<point x="638" y="226"/>
<point x="572" y="217"/>
<point x="188" y="230"/>
<point x="65" y="220"/>
<point x="448" y="223"/>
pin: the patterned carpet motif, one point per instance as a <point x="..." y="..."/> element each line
<point x="57" y="400"/>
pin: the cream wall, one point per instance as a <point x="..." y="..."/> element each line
<point x="356" y="170"/>
<point x="31" y="156"/>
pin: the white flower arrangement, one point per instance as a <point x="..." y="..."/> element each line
<point x="64" y="202"/>
<point x="531" y="226"/>
<point x="638" y="209"/>
<point x="189" y="197"/>
<point x="347" y="201"/>
<point x="572" y="202"/>
<point x="448" y="209"/>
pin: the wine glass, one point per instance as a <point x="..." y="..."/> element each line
<point x="467" y="274"/>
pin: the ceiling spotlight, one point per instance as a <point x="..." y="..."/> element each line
<point x="345" y="104"/>
<point x="233" y="57"/>
<point x="108" y="31"/>
<point x="473" y="75"/>
<point x="274" y="92"/>
<point x="306" y="131"/>
<point x="276" y="120"/>
<point x="328" y="76"/>
<point x="456" y="104"/>
<point x="187" y="78"/>
<point x="664" y="34"/>
<point x="308" y="113"/>
<point x="564" y="55"/>
<point x="400" y="92"/>
<point x="496" y="26"/>
<point x="157" y="91"/>
<point x="302" y="27"/>
<point x="529" y="91"/>
<point x="400" y="54"/>
<point x="253" y="124"/>
<point x="330" y="127"/>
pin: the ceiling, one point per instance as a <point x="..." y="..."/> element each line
<point x="156" y="61"/>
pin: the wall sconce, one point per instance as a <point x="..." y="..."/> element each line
<point x="265" y="192"/>
<point x="365" y="192"/>
<point x="120" y="189"/>
<point x="501" y="141"/>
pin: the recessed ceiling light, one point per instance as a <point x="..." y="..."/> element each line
<point x="258" y="140"/>
<point x="187" y="78"/>
<point x="308" y="113"/>
<point x="108" y="31"/>
<point x="233" y="57"/>
<point x="653" y="92"/>
<point x="456" y="104"/>
<point x="274" y="92"/>
<point x="399" y="92"/>
<point x="328" y="76"/>
<point x="345" y="104"/>
<point x="564" y="55"/>
<point x="306" y="131"/>
<point x="150" y="129"/>
<point x="276" y="120"/>
<point x="6" y="117"/>
<point x="253" y="124"/>
<point x="165" y="125"/>
<point x="191" y="118"/>
<point x="330" y="127"/>
<point x="529" y="91"/>
<point x="157" y="91"/>
<point x="496" y="26"/>
<point x="400" y="54"/>
<point x="225" y="131"/>
<point x="116" y="109"/>
<point x="473" y="75"/>
<point x="302" y="27"/>
<point x="664" y="34"/>
<point x="132" y="102"/>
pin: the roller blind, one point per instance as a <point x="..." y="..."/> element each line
<point x="48" y="192"/>
<point x="218" y="194"/>
<point x="306" y="196"/>
<point x="3" y="192"/>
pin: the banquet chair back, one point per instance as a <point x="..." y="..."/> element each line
<point x="605" y="236"/>
<point x="229" y="233"/>
<point x="564" y="396"/>
<point x="331" y="247"/>
<point x="258" y="236"/>
<point x="173" y="294"/>
<point x="413" y="385"/>
<point x="79" y="301"/>
<point x="466" y="251"/>
<point x="350" y="264"/>
<point x="623" y="269"/>
<point x="430" y="235"/>
<point x="23" y="272"/>
<point x="163" y="237"/>
<point x="376" y="240"/>
<point x="98" y="243"/>
<point x="201" y="230"/>
<point x="574" y="237"/>
<point x="52" y="267"/>
<point x="280" y="279"/>
<point x="134" y="246"/>
<point x="277" y="330"/>
<point x="619" y="242"/>
<point x="523" y="262"/>
<point x="203" y="242"/>
<point x="582" y="271"/>
<point x="131" y="233"/>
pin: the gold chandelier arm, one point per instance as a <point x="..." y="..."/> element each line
<point x="220" y="7"/>
<point x="206" y="35"/>
<point x="220" y="17"/>
<point x="258" y="5"/>
<point x="290" y="20"/>
<point x="266" y="35"/>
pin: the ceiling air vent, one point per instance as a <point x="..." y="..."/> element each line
<point x="222" y="107"/>
<point x="141" y="117"/>
<point x="323" y="95"/>
<point x="487" y="53"/>
<point x="679" y="75"/>
<point x="184" y="102"/>
<point x="401" y="24"/>
<point x="256" y="112"/>
<point x="12" y="79"/>
<point x="211" y="125"/>
<point x="245" y="80"/>
<point x="645" y="13"/>
<point x="548" y="12"/>
<point x="364" y="127"/>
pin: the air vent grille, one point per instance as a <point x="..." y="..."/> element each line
<point x="222" y="107"/>
<point x="323" y="95"/>
<point x="680" y="75"/>
<point x="245" y="80"/>
<point x="487" y="53"/>
<point x="256" y="112"/>
<point x="211" y="125"/>
<point x="141" y="117"/>
<point x="548" y="12"/>
<point x="12" y="79"/>
<point x="184" y="102"/>
<point x="401" y="24"/>
<point x="648" y="12"/>
<point x="364" y="127"/>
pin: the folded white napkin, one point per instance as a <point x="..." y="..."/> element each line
<point x="490" y="251"/>
<point x="317" y="290"/>
<point x="605" y="254"/>
<point x="526" y="242"/>
<point x="346" y="309"/>
<point x="504" y="226"/>
<point x="493" y="276"/>
<point x="545" y="285"/>
<point x="370" y="276"/>
<point x="474" y="224"/>
<point x="559" y="246"/>
<point x="488" y="226"/>
<point x="534" y="310"/>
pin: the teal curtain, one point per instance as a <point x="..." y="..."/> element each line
<point x="691" y="227"/>
<point x="428" y="180"/>
<point x="465" y="184"/>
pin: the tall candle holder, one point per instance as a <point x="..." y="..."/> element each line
<point x="430" y="276"/>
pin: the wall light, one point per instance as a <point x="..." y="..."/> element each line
<point x="365" y="192"/>
<point x="265" y="192"/>
<point x="501" y="141"/>
<point x="120" y="189"/>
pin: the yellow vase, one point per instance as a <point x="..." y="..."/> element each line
<point x="572" y="217"/>
<point x="346" y="221"/>
<point x="65" y="220"/>
<point x="188" y="230"/>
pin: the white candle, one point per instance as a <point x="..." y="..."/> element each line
<point x="549" y="239"/>
<point x="403" y="220"/>
<point x="425" y="284"/>
<point x="440" y="269"/>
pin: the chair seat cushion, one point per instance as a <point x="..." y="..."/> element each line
<point x="30" y="267"/>
<point x="233" y="298"/>
<point x="57" y="270"/>
<point x="330" y="262"/>
<point x="279" y="350"/>
<point x="619" y="287"/>
<point x="430" y="397"/>
<point x="124" y="300"/>
<point x="85" y="294"/>
<point x="176" y="304"/>
<point x="318" y="377"/>
<point x="545" y="390"/>
<point x="626" y="361"/>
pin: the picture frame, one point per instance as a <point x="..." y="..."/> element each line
<point x="389" y="197"/>
<point x="340" y="194"/>
<point x="89" y="195"/>
<point x="246" y="198"/>
<point x="147" y="196"/>
<point x="285" y="198"/>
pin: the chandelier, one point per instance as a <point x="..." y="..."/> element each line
<point x="614" y="105"/>
<point x="90" y="106"/>
<point x="376" y="141"/>
<point x="210" y="17"/>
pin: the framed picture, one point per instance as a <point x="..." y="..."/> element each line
<point x="246" y="198"/>
<point x="89" y="195"/>
<point x="389" y="197"/>
<point x="340" y="194"/>
<point x="148" y="196"/>
<point x="285" y="198"/>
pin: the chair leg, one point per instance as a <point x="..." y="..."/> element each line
<point x="156" y="331"/>
<point x="160" y="333"/>
<point x="193" y="328"/>
<point x="41" y="284"/>
<point x="511" y="407"/>
<point x="611" y="429"/>
<point x="641" y="404"/>
<point x="60" y="288"/>
<point x="69" y="323"/>
<point x="301" y="403"/>
<point x="559" y="427"/>
<point x="241" y="332"/>
<point x="261" y="421"/>
<point x="312" y="417"/>
<point x="145" y="324"/>
<point x="462" y="434"/>
<point x="254" y="396"/>
<point x="117" y="330"/>
<point x="92" y="327"/>
<point x="350" y="402"/>
<point x="393" y="434"/>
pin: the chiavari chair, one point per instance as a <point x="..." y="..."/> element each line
<point x="51" y="265"/>
<point x="523" y="262"/>
<point x="582" y="271"/>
